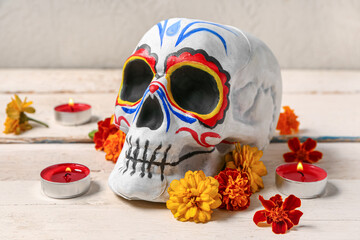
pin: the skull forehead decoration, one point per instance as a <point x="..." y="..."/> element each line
<point x="189" y="90"/>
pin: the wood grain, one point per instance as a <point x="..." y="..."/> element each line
<point x="27" y="212"/>
<point x="107" y="80"/>
<point x="339" y="159"/>
<point x="326" y="103"/>
<point x="320" y="116"/>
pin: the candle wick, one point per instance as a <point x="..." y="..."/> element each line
<point x="72" y="108"/>
<point x="301" y="174"/>
<point x="67" y="177"/>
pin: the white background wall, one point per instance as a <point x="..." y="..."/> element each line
<point x="312" y="34"/>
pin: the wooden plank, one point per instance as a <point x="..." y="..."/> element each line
<point x="321" y="81"/>
<point x="100" y="214"/>
<point x="108" y="80"/>
<point x="340" y="160"/>
<point x="59" y="80"/>
<point x="138" y="220"/>
<point x="102" y="106"/>
<point x="331" y="117"/>
<point x="328" y="206"/>
<point x="323" y="117"/>
<point x="153" y="222"/>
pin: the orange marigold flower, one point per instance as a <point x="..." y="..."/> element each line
<point x="281" y="215"/>
<point x="113" y="145"/>
<point x="302" y="152"/>
<point x="287" y="123"/>
<point x="247" y="159"/>
<point x="193" y="197"/>
<point x="234" y="188"/>
<point x="105" y="128"/>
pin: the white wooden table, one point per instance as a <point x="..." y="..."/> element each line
<point x="328" y="106"/>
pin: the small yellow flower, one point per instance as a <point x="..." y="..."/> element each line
<point x="193" y="197"/>
<point x="16" y="120"/>
<point x="14" y="126"/>
<point x="247" y="159"/>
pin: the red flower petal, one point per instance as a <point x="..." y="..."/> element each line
<point x="268" y="205"/>
<point x="277" y="199"/>
<point x="294" y="216"/>
<point x="291" y="202"/>
<point x="259" y="216"/>
<point x="314" y="156"/>
<point x="289" y="224"/>
<point x="309" y="145"/>
<point x="290" y="157"/>
<point x="279" y="227"/>
<point x="294" y="144"/>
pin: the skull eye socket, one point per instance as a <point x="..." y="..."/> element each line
<point x="137" y="75"/>
<point x="194" y="88"/>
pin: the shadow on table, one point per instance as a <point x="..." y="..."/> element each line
<point x="142" y="204"/>
<point x="94" y="188"/>
<point x="94" y="119"/>
<point x="330" y="191"/>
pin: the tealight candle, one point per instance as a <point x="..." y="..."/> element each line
<point x="301" y="179"/>
<point x="73" y="113"/>
<point x="65" y="180"/>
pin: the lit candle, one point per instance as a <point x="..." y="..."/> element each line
<point x="65" y="180"/>
<point x="73" y="113"/>
<point x="301" y="179"/>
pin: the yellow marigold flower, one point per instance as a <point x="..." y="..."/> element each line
<point x="247" y="159"/>
<point x="14" y="126"/>
<point x="16" y="120"/>
<point x="193" y="197"/>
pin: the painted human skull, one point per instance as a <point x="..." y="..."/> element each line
<point x="188" y="91"/>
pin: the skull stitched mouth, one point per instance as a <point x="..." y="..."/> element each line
<point x="146" y="161"/>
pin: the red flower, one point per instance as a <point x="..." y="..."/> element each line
<point x="234" y="187"/>
<point x="302" y="152"/>
<point x="281" y="215"/>
<point x="105" y="128"/>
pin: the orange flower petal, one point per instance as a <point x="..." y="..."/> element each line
<point x="294" y="144"/>
<point x="234" y="188"/>
<point x="287" y="123"/>
<point x="309" y="145"/>
<point x="260" y="216"/>
<point x="279" y="227"/>
<point x="314" y="156"/>
<point x="294" y="216"/>
<point x="268" y="205"/>
<point x="290" y="157"/>
<point x="291" y="202"/>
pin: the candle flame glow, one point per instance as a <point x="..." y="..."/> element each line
<point x="71" y="102"/>
<point x="299" y="167"/>
<point x="68" y="169"/>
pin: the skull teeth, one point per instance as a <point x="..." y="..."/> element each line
<point x="147" y="158"/>
<point x="146" y="161"/>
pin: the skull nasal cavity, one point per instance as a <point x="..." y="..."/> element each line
<point x="151" y="114"/>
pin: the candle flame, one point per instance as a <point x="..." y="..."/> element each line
<point x="68" y="169"/>
<point x="71" y="102"/>
<point x="299" y="167"/>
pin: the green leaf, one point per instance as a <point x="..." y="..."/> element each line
<point x="92" y="133"/>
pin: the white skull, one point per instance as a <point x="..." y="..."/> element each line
<point x="189" y="90"/>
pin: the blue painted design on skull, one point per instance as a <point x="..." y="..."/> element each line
<point x="173" y="29"/>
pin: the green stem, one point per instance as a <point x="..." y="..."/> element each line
<point x="37" y="121"/>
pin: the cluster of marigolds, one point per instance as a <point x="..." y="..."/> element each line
<point x="194" y="197"/>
